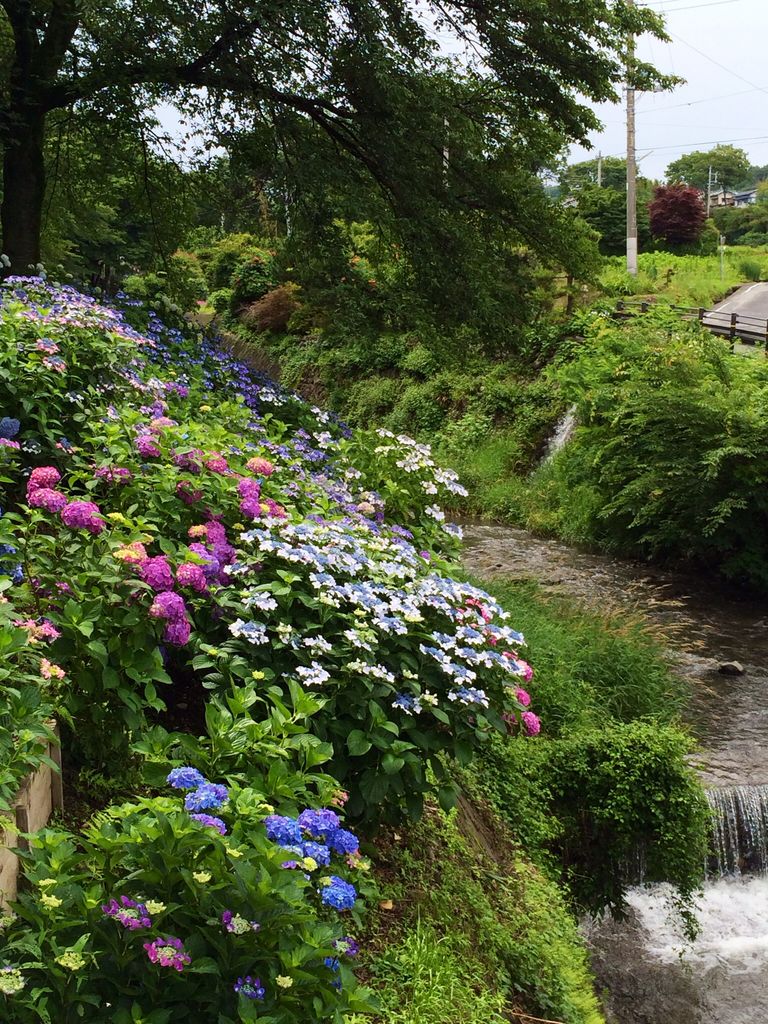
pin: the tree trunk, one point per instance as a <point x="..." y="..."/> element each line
<point x="23" y="191"/>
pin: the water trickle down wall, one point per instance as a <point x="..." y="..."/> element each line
<point x="739" y="829"/>
<point x="562" y="435"/>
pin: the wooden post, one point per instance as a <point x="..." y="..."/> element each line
<point x="702" y="311"/>
<point x="732" y="335"/>
<point x="643" y="307"/>
<point x="766" y="339"/>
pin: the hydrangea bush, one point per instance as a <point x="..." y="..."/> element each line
<point x="180" y="532"/>
<point x="204" y="899"/>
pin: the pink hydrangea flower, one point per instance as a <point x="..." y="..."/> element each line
<point x="43" y="476"/>
<point x="146" y="446"/>
<point x="523" y="697"/>
<point x="260" y="465"/>
<point x="159" y="423"/>
<point x="50" y="671"/>
<point x="134" y="553"/>
<point x="191" y="461"/>
<point x="216" y="463"/>
<point x="47" y="498"/>
<point x="189" y="574"/>
<point x="248" y="488"/>
<point x="168" y="952"/>
<point x="531" y="723"/>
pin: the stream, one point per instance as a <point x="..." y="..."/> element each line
<point x="647" y="972"/>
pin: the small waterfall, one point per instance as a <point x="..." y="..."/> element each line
<point x="740" y="829"/>
<point x="563" y="433"/>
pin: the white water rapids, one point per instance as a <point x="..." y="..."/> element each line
<point x="646" y="971"/>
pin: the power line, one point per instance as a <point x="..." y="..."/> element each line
<point x="709" y="99"/>
<point x="692" y="7"/>
<point x="717" y="63"/>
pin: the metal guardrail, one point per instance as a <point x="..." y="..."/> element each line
<point x="752" y="330"/>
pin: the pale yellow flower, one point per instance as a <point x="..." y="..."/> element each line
<point x="201" y="876"/>
<point x="283" y="981"/>
<point x="44" y="883"/>
<point x="71" y="960"/>
<point x="232" y="852"/>
<point x="50" y="901"/>
<point x="154" y="906"/>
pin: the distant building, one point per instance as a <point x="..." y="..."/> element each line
<point x="748" y="198"/>
<point x="721" y="197"/>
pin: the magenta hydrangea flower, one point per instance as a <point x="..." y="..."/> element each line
<point x="177" y="632"/>
<point x="189" y="574"/>
<point x="191" y="461"/>
<point x="248" y="488"/>
<point x="157" y="573"/>
<point x="43" y="476"/>
<point x="113" y="474"/>
<point x="168" y="605"/>
<point x="83" y="515"/>
<point x="523" y="697"/>
<point x="129" y="913"/>
<point x="168" y="952"/>
<point x="187" y="492"/>
<point x="251" y="507"/>
<point x="216" y="463"/>
<point x="531" y="723"/>
<point x="47" y="498"/>
<point x="146" y="446"/>
<point x="275" y="510"/>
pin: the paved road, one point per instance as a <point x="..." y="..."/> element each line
<point x="750" y="304"/>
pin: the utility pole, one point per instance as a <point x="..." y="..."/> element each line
<point x="709" y="190"/>
<point x="631" y="161"/>
<point x="599" y="170"/>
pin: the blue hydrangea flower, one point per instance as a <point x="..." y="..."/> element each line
<point x="186" y="778"/>
<point x="338" y="894"/>
<point x="210" y="822"/>
<point x="343" y="841"/>
<point x="209" y="796"/>
<point x="9" y="427"/>
<point x="319" y="823"/>
<point x="317" y="852"/>
<point x="283" y="831"/>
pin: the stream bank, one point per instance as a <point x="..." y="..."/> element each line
<point x="647" y="972"/>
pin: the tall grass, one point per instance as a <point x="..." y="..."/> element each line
<point x="684" y="280"/>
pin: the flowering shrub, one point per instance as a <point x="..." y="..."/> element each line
<point x="200" y="524"/>
<point x="157" y="909"/>
<point x="27" y="683"/>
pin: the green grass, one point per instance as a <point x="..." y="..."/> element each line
<point x="590" y="666"/>
<point x="684" y="280"/>
<point x="476" y="934"/>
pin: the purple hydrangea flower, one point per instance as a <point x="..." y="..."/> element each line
<point x="347" y="946"/>
<point x="129" y="913"/>
<point x="208" y="796"/>
<point x="168" y="605"/>
<point x="185" y="778"/>
<point x="146" y="447"/>
<point x="168" y="952"/>
<point x="43" y="476"/>
<point x="531" y="723"/>
<point x="249" y="987"/>
<point x="210" y="822"/>
<point x="177" y="632"/>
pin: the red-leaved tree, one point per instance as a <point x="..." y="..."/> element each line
<point x="677" y="214"/>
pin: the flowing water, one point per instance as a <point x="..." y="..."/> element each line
<point x="649" y="974"/>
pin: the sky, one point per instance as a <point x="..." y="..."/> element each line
<point x="720" y="47"/>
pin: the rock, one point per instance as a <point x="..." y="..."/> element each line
<point x="731" y="668"/>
